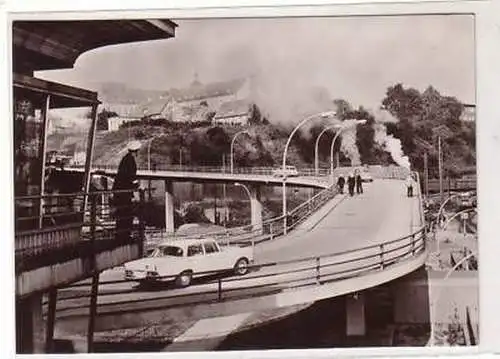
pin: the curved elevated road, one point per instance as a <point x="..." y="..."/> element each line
<point x="377" y="217"/>
<point x="217" y="177"/>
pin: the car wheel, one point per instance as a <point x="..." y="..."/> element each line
<point x="241" y="266"/>
<point x="184" y="279"/>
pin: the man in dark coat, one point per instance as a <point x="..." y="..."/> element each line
<point x="359" y="182"/>
<point x="341" y="183"/>
<point x="125" y="180"/>
<point x="351" y="182"/>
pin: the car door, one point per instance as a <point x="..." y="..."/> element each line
<point x="196" y="258"/>
<point x="217" y="260"/>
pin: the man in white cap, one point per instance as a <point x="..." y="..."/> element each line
<point x="126" y="180"/>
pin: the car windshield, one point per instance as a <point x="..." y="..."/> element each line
<point x="163" y="251"/>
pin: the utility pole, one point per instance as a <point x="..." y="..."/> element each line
<point x="426" y="175"/>
<point x="440" y="163"/>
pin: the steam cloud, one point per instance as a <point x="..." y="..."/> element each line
<point x="349" y="146"/>
<point x="388" y="142"/>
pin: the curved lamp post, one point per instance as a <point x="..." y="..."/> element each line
<point x="343" y="128"/>
<point x="232" y="146"/>
<point x="441" y="208"/>
<point x="237" y="184"/>
<point x="438" y="249"/>
<point x="316" y="147"/>
<point x="322" y="115"/>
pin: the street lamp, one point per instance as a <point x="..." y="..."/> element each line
<point x="232" y="146"/>
<point x="441" y="208"/>
<point x="326" y="114"/>
<point x="316" y="156"/>
<point x="245" y="188"/>
<point x="343" y="128"/>
<point x="438" y="249"/>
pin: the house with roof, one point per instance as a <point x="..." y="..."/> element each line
<point x="233" y="113"/>
<point x="194" y="103"/>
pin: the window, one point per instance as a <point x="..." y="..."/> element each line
<point x="168" y="251"/>
<point x="194" y="250"/>
<point x="210" y="247"/>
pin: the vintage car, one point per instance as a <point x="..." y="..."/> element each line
<point x="366" y="176"/>
<point x="183" y="259"/>
<point x="290" y="171"/>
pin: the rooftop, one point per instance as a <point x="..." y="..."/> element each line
<point x="47" y="45"/>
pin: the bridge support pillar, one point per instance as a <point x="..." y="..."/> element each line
<point x="30" y="329"/>
<point x="169" y="207"/>
<point x="355" y="315"/>
<point x="255" y="207"/>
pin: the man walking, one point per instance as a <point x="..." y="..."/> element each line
<point x="341" y="183"/>
<point x="359" y="182"/>
<point x="409" y="186"/>
<point x="126" y="181"/>
<point x="351" y="183"/>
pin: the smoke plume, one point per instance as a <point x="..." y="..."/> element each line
<point x="388" y="142"/>
<point x="349" y="146"/>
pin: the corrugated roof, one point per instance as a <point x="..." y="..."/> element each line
<point x="232" y="109"/>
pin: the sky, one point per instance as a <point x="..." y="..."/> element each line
<point x="354" y="58"/>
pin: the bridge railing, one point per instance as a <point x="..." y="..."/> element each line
<point x="56" y="227"/>
<point x="274" y="277"/>
<point x="269" y="229"/>
<point x="268" y="171"/>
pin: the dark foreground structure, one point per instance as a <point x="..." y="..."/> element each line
<point x="57" y="240"/>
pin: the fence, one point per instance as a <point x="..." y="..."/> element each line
<point x="376" y="171"/>
<point x="269" y="278"/>
<point x="53" y="228"/>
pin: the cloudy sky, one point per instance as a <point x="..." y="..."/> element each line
<point x="355" y="58"/>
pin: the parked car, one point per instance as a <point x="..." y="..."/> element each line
<point x="184" y="259"/>
<point x="290" y="171"/>
<point x="366" y="176"/>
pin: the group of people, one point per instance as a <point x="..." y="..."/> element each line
<point x="354" y="183"/>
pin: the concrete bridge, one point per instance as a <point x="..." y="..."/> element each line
<point x="340" y="245"/>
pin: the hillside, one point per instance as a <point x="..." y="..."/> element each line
<point x="406" y="129"/>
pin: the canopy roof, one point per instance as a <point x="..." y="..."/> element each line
<point x="48" y="45"/>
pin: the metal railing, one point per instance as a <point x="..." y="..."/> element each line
<point x="268" y="230"/>
<point x="271" y="278"/>
<point x="376" y="171"/>
<point x="63" y="229"/>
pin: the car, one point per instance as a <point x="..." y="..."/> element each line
<point x="366" y="176"/>
<point x="290" y="171"/>
<point x="182" y="260"/>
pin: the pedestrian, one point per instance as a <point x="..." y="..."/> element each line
<point x="351" y="183"/>
<point x="359" y="182"/>
<point x="126" y="180"/>
<point x="341" y="183"/>
<point x="409" y="186"/>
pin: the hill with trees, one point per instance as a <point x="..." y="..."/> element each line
<point x="416" y="121"/>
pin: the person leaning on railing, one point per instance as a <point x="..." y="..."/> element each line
<point x="125" y="182"/>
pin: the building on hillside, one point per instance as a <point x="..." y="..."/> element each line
<point x="114" y="123"/>
<point x="233" y="113"/>
<point x="195" y="102"/>
<point x="469" y="113"/>
<point x="126" y="112"/>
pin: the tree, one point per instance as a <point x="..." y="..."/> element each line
<point x="343" y="108"/>
<point x="255" y="117"/>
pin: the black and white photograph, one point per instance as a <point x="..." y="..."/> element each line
<point x="246" y="183"/>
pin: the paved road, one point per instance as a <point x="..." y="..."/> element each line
<point x="381" y="214"/>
